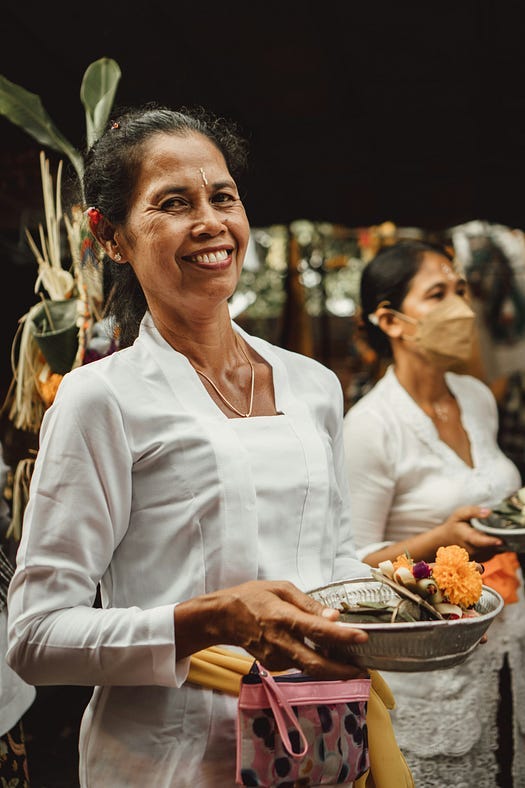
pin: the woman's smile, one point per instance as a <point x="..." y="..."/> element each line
<point x="217" y="259"/>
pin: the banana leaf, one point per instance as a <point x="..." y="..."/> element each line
<point x="380" y="612"/>
<point x="26" y="110"/>
<point x="97" y="93"/>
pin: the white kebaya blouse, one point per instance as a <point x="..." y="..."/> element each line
<point x="405" y="480"/>
<point x="143" y="485"/>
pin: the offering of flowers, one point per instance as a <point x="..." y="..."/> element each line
<point x="448" y="588"/>
<point x="510" y="513"/>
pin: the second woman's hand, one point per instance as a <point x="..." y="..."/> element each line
<point x="458" y="530"/>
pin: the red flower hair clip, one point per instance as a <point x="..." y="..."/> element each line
<point x="94" y="217"/>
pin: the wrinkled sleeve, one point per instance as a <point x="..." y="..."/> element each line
<point x="78" y="512"/>
<point x="369" y="470"/>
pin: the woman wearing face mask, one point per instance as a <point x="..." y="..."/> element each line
<point x="422" y="461"/>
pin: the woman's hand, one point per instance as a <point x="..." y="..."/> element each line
<point x="458" y="530"/>
<point x="271" y="620"/>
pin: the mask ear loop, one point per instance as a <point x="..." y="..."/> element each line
<point x="373" y="317"/>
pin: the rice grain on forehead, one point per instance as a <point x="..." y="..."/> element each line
<point x="111" y="163"/>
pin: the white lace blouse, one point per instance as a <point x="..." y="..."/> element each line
<point x="404" y="479"/>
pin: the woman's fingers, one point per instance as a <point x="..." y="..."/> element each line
<point x="283" y="628"/>
<point x="290" y="593"/>
<point x="479" y="545"/>
<point x="313" y="658"/>
<point x="467" y="513"/>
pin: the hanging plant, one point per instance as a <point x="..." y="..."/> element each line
<point x="51" y="337"/>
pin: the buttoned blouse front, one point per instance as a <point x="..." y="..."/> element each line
<point x="142" y="484"/>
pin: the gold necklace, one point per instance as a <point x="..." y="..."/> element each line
<point x="221" y="395"/>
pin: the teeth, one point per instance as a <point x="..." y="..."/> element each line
<point x="212" y="257"/>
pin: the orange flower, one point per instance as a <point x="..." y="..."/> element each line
<point x="458" y="578"/>
<point x="453" y="555"/>
<point x="48" y="388"/>
<point x="403" y="560"/>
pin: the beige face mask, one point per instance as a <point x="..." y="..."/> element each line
<point x="445" y="334"/>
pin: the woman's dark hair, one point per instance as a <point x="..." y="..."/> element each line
<point x="110" y="173"/>
<point x="388" y="278"/>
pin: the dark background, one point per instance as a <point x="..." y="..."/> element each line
<point x="357" y="112"/>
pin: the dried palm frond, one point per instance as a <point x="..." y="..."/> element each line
<point x="87" y="268"/>
<point x="28" y="364"/>
<point x="58" y="282"/>
<point x="31" y="372"/>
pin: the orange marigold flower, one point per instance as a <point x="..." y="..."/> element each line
<point x="402" y="560"/>
<point x="48" y="388"/>
<point x="457" y="577"/>
<point x="452" y="555"/>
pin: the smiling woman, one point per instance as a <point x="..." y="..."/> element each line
<point x="205" y="490"/>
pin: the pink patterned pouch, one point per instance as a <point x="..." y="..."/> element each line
<point x="292" y="729"/>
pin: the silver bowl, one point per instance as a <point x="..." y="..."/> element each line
<point x="514" y="538"/>
<point x="407" y="646"/>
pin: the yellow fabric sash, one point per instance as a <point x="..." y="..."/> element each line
<point x="222" y="669"/>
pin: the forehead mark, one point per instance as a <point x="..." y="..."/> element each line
<point x="204" y="178"/>
<point x="448" y="271"/>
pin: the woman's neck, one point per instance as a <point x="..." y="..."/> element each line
<point x="208" y="343"/>
<point x="425" y="383"/>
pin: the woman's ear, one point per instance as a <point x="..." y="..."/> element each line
<point x="105" y="234"/>
<point x="388" y="322"/>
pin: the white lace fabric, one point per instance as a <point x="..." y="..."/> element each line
<point x="447" y="726"/>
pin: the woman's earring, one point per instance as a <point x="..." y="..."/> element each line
<point x="118" y="257"/>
